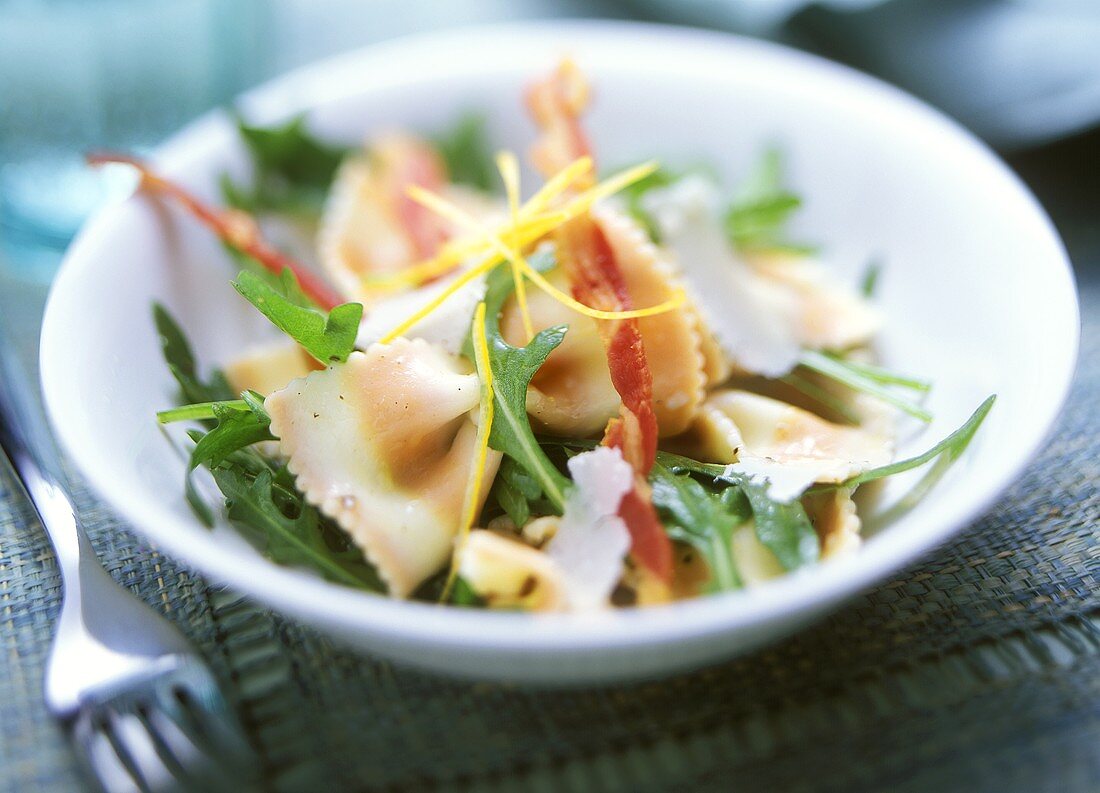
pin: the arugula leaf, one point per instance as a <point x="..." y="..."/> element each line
<point x="516" y="491"/>
<point x="869" y="282"/>
<point x="236" y="429"/>
<point x="327" y="338"/>
<point x="181" y="362"/>
<point x="285" y="283"/>
<point x="292" y="532"/>
<point x="949" y="449"/>
<point x="513" y="368"/>
<point x="758" y="215"/>
<point x="703" y="519"/>
<point x="198" y="411"/>
<point x="462" y="594"/>
<point x="821" y="395"/>
<point x="293" y="169"/>
<point x="868" y="379"/>
<point x="784" y="529"/>
<point x="634" y="192"/>
<point x="466" y="150"/>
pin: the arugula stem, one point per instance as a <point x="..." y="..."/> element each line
<point x="200" y="411"/>
<point x="951" y="447"/>
<point x="881" y="375"/>
<point x="844" y="372"/>
<point x="821" y="396"/>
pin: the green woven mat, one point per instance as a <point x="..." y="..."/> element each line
<point x="975" y="669"/>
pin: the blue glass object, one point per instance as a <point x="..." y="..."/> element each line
<point x="80" y="75"/>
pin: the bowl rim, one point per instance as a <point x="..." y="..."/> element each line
<point x="314" y="600"/>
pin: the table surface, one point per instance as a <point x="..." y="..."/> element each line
<point x="977" y="668"/>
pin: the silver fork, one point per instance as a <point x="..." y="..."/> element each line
<point x="142" y="707"/>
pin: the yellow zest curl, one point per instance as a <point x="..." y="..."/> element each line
<point x="481" y="452"/>
<point x="509" y="174"/>
<point x="522" y="235"/>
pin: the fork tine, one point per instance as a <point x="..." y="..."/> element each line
<point x="138" y="752"/>
<point x="173" y="746"/>
<point x="198" y="768"/>
<point x="101" y="759"/>
<point x="195" y="703"/>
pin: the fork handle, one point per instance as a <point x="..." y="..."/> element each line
<point x="26" y="440"/>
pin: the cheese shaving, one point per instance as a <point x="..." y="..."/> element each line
<point x="592" y="540"/>
<point x="481" y="447"/>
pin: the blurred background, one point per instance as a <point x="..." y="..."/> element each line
<point x="77" y="75"/>
<point x="81" y="75"/>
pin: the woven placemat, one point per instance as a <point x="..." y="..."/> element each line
<point x="975" y="669"/>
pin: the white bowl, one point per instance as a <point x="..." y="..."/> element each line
<point x="977" y="291"/>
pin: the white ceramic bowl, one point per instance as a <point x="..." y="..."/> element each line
<point x="977" y="291"/>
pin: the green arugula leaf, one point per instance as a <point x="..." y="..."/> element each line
<point x="513" y="368"/>
<point x="199" y="411"/>
<point x="289" y="530"/>
<point x="868" y="379"/>
<point x="285" y="283"/>
<point x="758" y="215"/>
<point x="821" y="395"/>
<point x="516" y="491"/>
<point x="293" y="169"/>
<point x="632" y="194"/>
<point x="784" y="529"/>
<point x="327" y="338"/>
<point x="181" y="362"/>
<point x="949" y="449"/>
<point x="466" y="149"/>
<point x="869" y="282"/>
<point x="235" y="430"/>
<point x="462" y="594"/>
<point x="703" y="519"/>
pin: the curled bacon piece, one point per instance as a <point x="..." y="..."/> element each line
<point x="597" y="281"/>
<point x="556" y="105"/>
<point x="236" y="229"/>
<point x="409" y="161"/>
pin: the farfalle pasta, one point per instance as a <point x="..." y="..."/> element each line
<point x="598" y="392"/>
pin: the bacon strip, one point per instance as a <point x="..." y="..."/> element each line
<point x="597" y="281"/>
<point x="556" y="104"/>
<point x="408" y="161"/>
<point x="235" y="228"/>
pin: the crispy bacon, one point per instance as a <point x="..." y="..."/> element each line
<point x="598" y="282"/>
<point x="408" y="161"/>
<point x="556" y="105"/>
<point x="235" y="228"/>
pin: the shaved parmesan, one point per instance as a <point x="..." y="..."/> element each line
<point x="592" y="540"/>
<point x="753" y="320"/>
<point x="781" y="444"/>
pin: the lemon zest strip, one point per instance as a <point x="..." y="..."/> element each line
<point x="476" y="480"/>
<point x="533" y="227"/>
<point x="503" y="252"/>
<point x="509" y="174"/>
<point x="457" y="216"/>
<point x="454" y="252"/>
<point x="477" y="270"/>
<point x="673" y="303"/>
